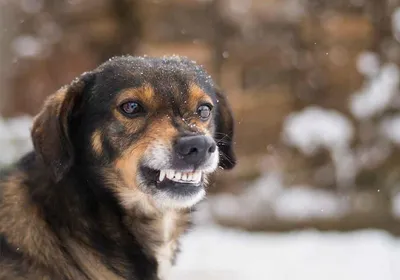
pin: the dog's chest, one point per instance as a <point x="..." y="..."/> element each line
<point x="159" y="238"/>
<point x="164" y="253"/>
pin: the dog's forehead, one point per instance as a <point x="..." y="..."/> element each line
<point x="169" y="76"/>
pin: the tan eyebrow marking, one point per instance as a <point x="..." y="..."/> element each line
<point x="196" y="94"/>
<point x="144" y="93"/>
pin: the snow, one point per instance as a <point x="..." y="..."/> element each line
<point x="258" y="198"/>
<point x="390" y="128"/>
<point x="368" y="64"/>
<point x="212" y="253"/>
<point x="269" y="197"/>
<point x="377" y="93"/>
<point x="303" y="203"/>
<point x="14" y="138"/>
<point x="315" y="128"/>
<point x="27" y="46"/>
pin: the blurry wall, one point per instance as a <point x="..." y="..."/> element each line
<point x="272" y="57"/>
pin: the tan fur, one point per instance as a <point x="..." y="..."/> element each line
<point x="161" y="235"/>
<point x="97" y="145"/>
<point x="144" y="93"/>
<point x="127" y="190"/>
<point x="91" y="263"/>
<point x="26" y="229"/>
<point x="196" y="96"/>
<point x="29" y="231"/>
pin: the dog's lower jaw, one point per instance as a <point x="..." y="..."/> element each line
<point x="166" y="201"/>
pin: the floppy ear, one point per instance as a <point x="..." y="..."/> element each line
<point x="50" y="130"/>
<point x="224" y="132"/>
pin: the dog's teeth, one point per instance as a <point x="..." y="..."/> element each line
<point x="178" y="175"/>
<point x="184" y="176"/>
<point x="170" y="174"/>
<point x="162" y="175"/>
<point x="197" y="177"/>
<point x="193" y="177"/>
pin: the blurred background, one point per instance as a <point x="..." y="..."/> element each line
<point x="314" y="85"/>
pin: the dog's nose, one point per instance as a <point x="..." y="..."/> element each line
<point x="195" y="149"/>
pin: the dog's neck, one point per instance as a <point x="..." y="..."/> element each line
<point x="158" y="231"/>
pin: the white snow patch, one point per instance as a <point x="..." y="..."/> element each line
<point x="315" y="128"/>
<point x="14" y="138"/>
<point x="27" y="46"/>
<point x="302" y="203"/>
<point x="215" y="253"/>
<point x="268" y="198"/>
<point x="368" y="64"/>
<point x="377" y="93"/>
<point x="258" y="199"/>
<point x="390" y="128"/>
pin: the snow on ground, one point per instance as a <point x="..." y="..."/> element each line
<point x="214" y="253"/>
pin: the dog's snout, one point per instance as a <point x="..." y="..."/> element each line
<point x="195" y="149"/>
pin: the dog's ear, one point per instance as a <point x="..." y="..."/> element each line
<point x="50" y="131"/>
<point x="224" y="132"/>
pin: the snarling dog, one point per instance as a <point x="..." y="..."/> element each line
<point x="120" y="157"/>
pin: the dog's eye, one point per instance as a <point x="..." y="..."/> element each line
<point x="132" y="108"/>
<point x="204" y="111"/>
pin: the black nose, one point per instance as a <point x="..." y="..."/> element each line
<point x="195" y="149"/>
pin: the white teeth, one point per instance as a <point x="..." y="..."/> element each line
<point x="181" y="177"/>
<point x="170" y="174"/>
<point x="197" y="176"/>
<point x="162" y="175"/>
<point x="178" y="175"/>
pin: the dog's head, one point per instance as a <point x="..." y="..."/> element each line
<point x="152" y="129"/>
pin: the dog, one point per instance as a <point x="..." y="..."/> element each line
<point x="120" y="157"/>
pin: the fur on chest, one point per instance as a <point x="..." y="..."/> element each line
<point x="159" y="235"/>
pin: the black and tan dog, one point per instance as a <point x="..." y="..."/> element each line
<point x="120" y="156"/>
